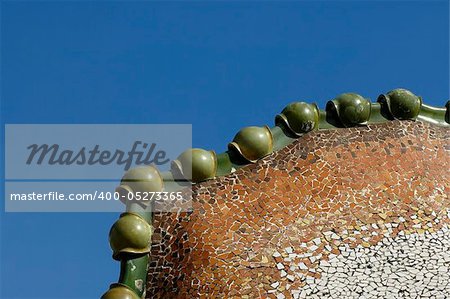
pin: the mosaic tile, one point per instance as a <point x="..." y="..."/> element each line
<point x="274" y="229"/>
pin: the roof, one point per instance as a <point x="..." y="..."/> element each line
<point x="248" y="146"/>
<point x="245" y="228"/>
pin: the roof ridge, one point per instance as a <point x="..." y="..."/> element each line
<point x="248" y="146"/>
<point x="298" y="118"/>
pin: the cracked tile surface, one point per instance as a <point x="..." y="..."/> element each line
<point x="407" y="266"/>
<point x="271" y="229"/>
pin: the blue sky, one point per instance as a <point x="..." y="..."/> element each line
<point x="217" y="65"/>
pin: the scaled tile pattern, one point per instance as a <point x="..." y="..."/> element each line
<point x="370" y="200"/>
<point x="407" y="266"/>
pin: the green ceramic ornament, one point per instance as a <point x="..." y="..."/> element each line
<point x="130" y="234"/>
<point x="252" y="143"/>
<point x="401" y="103"/>
<point x="351" y="109"/>
<point x="197" y="164"/>
<point x="299" y="117"/>
<point x="143" y="179"/>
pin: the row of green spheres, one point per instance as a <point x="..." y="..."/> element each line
<point x="353" y="109"/>
<point x="350" y="108"/>
<point x="253" y="143"/>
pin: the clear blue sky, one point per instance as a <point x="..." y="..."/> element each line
<point x="220" y="66"/>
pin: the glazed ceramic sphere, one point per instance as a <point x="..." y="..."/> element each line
<point x="130" y="234"/>
<point x="401" y="103"/>
<point x="119" y="291"/>
<point x="197" y="164"/>
<point x="299" y="117"/>
<point x="143" y="179"/>
<point x="351" y="108"/>
<point x="253" y="143"/>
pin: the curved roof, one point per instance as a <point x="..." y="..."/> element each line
<point x="248" y="146"/>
